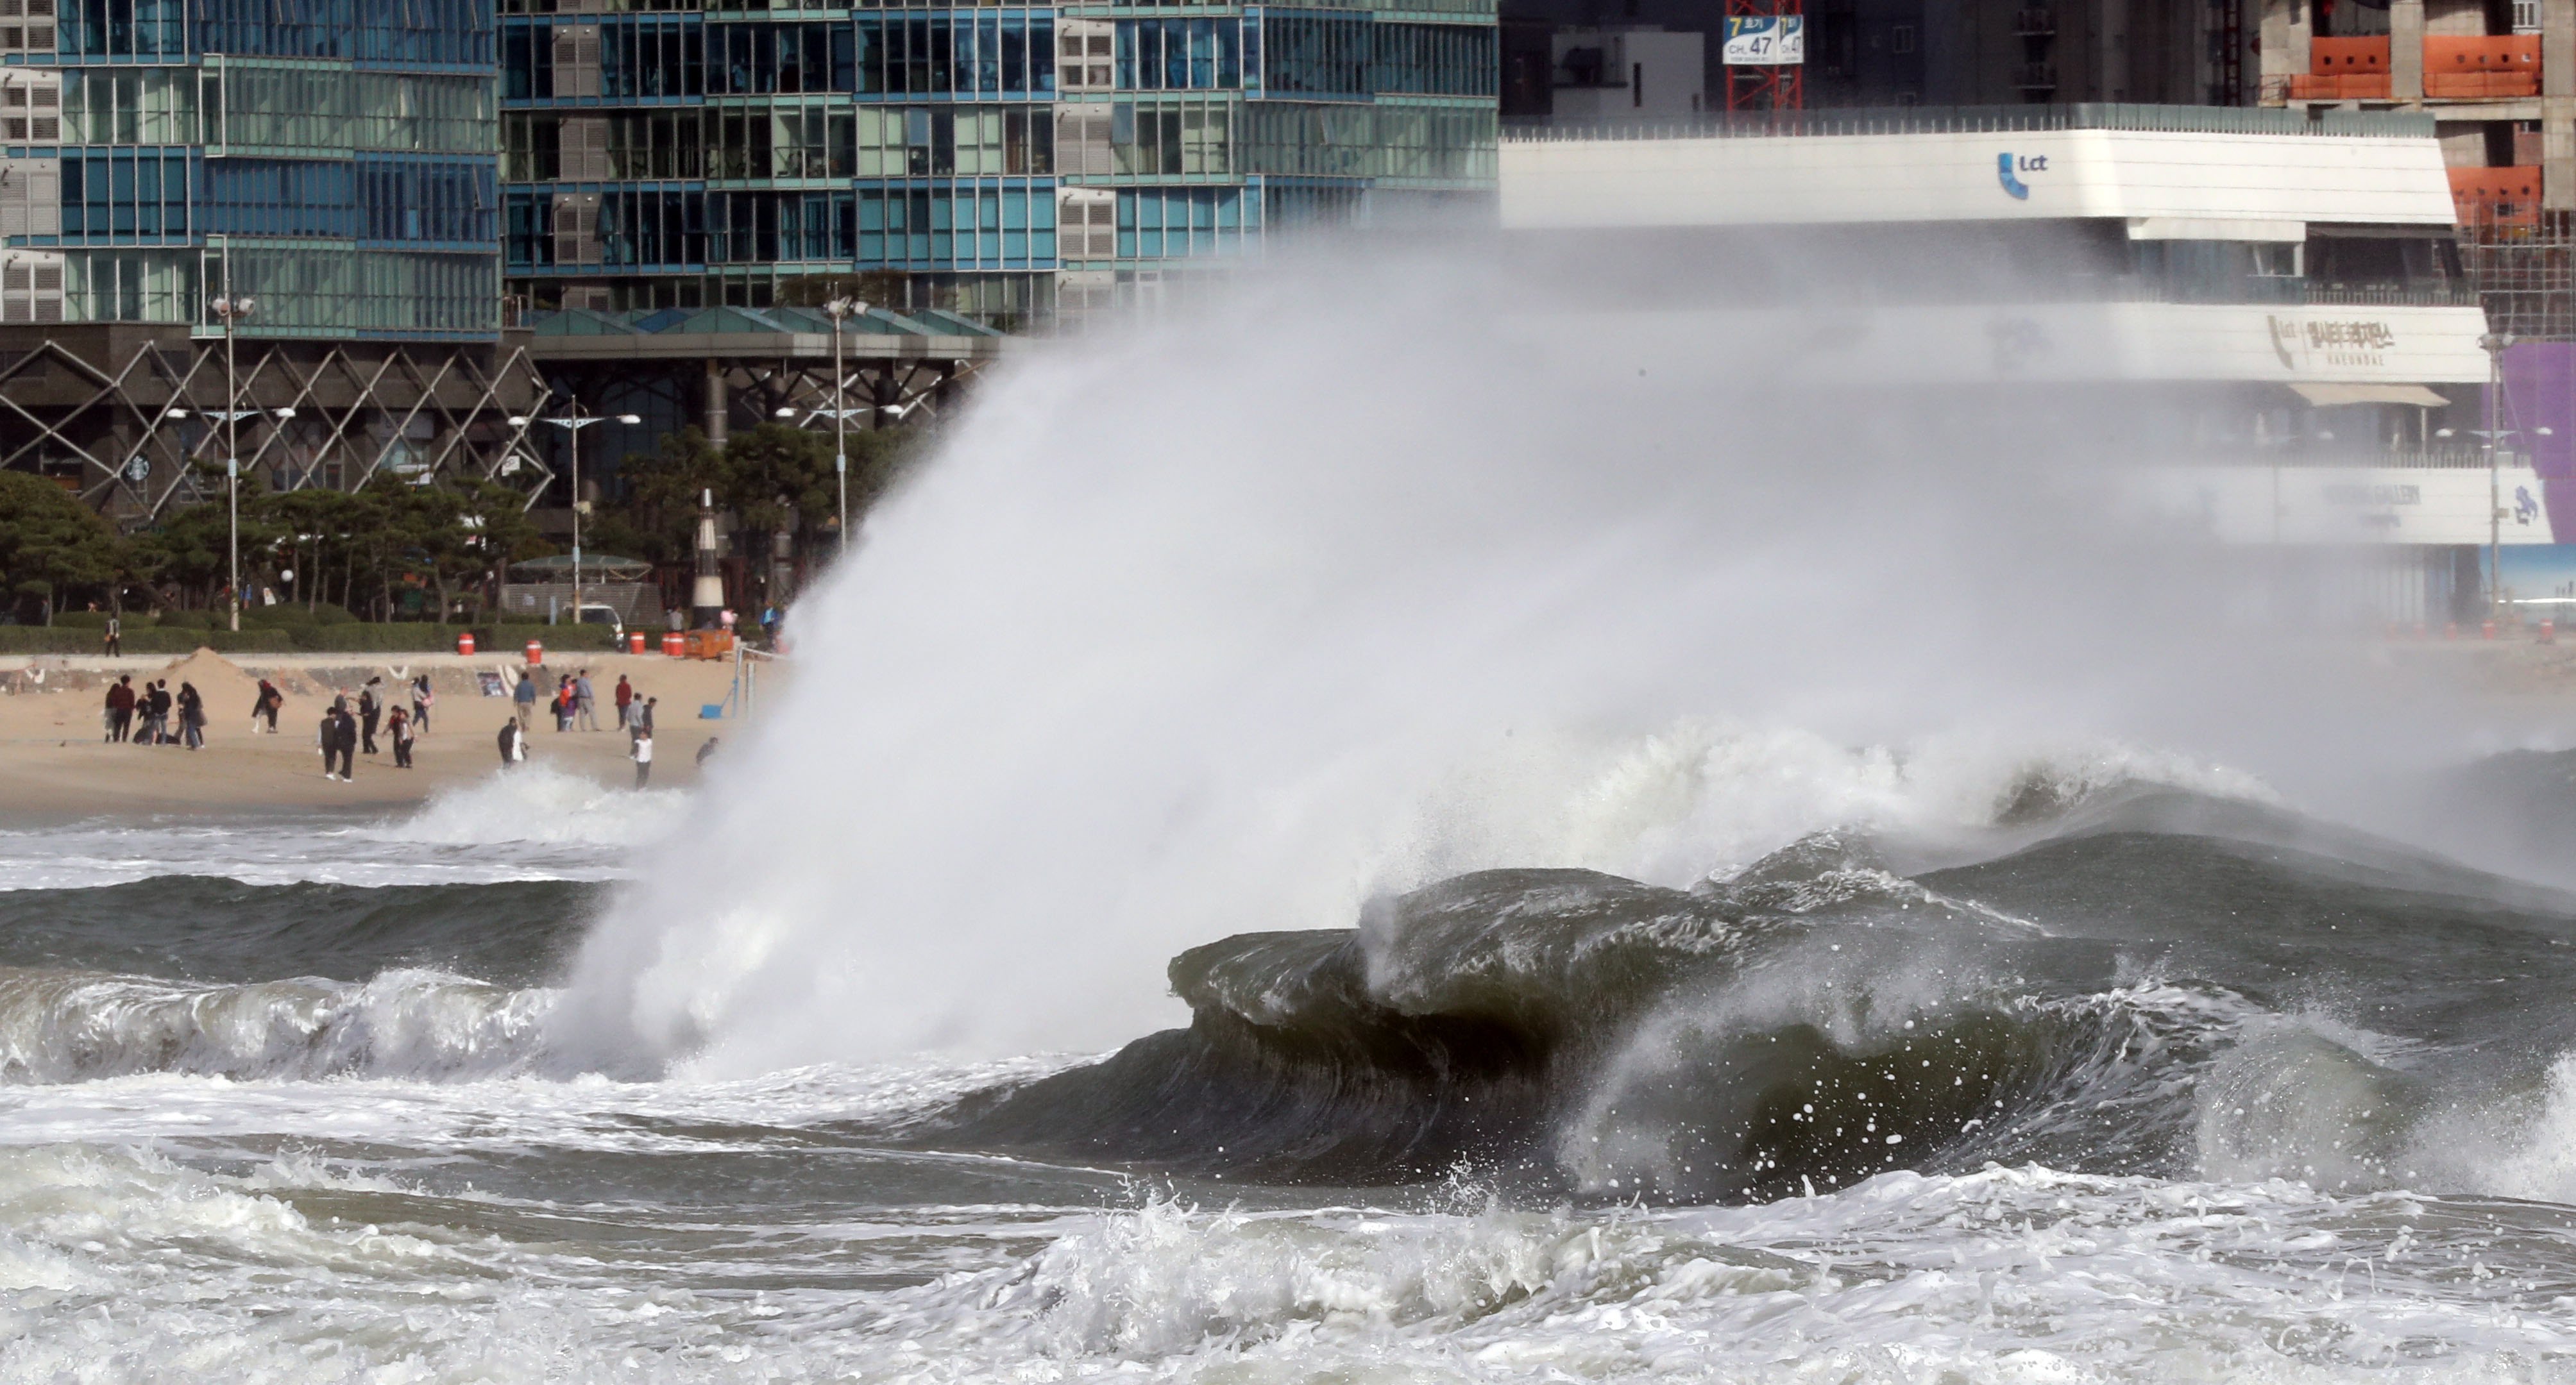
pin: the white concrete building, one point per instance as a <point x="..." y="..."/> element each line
<point x="2286" y="284"/>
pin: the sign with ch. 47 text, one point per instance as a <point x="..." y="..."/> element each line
<point x="1766" y="40"/>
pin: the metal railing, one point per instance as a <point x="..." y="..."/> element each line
<point x="1979" y="120"/>
<point x="2303" y="454"/>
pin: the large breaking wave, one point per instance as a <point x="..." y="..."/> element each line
<point x="2112" y="976"/>
<point x="2161" y="983"/>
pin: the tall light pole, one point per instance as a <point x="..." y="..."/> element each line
<point x="572" y="423"/>
<point x="841" y="413"/>
<point x="838" y="309"/>
<point x="2495" y="346"/>
<point x="2494" y="433"/>
<point x="231" y="307"/>
<point x="231" y="419"/>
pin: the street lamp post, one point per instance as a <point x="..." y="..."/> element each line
<point x="2495" y="346"/>
<point x="838" y="309"/>
<point x="572" y="423"/>
<point x="2494" y="433"/>
<point x="231" y="307"/>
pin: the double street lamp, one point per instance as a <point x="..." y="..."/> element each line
<point x="839" y="309"/>
<point x="572" y="423"/>
<point x="230" y="309"/>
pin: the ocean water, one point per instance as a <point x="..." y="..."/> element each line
<point x="2137" y="1075"/>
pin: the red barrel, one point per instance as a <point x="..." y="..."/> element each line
<point x="675" y="644"/>
<point x="634" y="641"/>
<point x="536" y="653"/>
<point x="2486" y="629"/>
<point x="465" y="642"/>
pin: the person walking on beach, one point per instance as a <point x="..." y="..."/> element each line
<point x="524" y="697"/>
<point x="514" y="743"/>
<point x="625" y="699"/>
<point x="120" y="709"/>
<point x="270" y="699"/>
<point x="371" y="709"/>
<point x="585" y="705"/>
<point x="563" y="702"/>
<point x="339" y="742"/>
<point x="644" y="715"/>
<point x="643" y="753"/>
<point x="192" y="716"/>
<point x="113" y="641"/>
<point x="421" y="698"/>
<point x="398" y="730"/>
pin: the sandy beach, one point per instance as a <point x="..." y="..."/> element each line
<point x="54" y="763"/>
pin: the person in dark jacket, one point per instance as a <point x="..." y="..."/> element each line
<point x="270" y="699"/>
<point x="339" y="741"/>
<point x="511" y="736"/>
<point x="120" y="709"/>
<point x="192" y="716"/>
<point x="370" y="709"/>
<point x="156" y="713"/>
<point x="398" y="730"/>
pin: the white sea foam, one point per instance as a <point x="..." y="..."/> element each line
<point x="538" y="804"/>
<point x="128" y="1265"/>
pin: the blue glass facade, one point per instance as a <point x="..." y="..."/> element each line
<point x="337" y="159"/>
<point x="985" y="156"/>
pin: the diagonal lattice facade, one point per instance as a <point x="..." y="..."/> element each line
<point x="91" y="405"/>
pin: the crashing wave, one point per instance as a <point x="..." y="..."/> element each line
<point x="2112" y="999"/>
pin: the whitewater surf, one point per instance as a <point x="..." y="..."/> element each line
<point x="2133" y="1082"/>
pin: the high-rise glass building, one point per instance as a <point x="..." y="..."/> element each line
<point x="335" y="159"/>
<point x="990" y="159"/>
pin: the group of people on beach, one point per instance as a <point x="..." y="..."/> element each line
<point x="154" y="715"/>
<point x="142" y="716"/>
<point x="346" y="733"/>
<point x="574" y="704"/>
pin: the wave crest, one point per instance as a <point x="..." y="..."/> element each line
<point x="73" y="1027"/>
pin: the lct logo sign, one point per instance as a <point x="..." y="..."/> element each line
<point x="2009" y="168"/>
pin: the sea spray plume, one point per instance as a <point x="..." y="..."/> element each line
<point x="1346" y="581"/>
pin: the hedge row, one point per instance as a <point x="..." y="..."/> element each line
<point x="285" y="617"/>
<point x="320" y="639"/>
